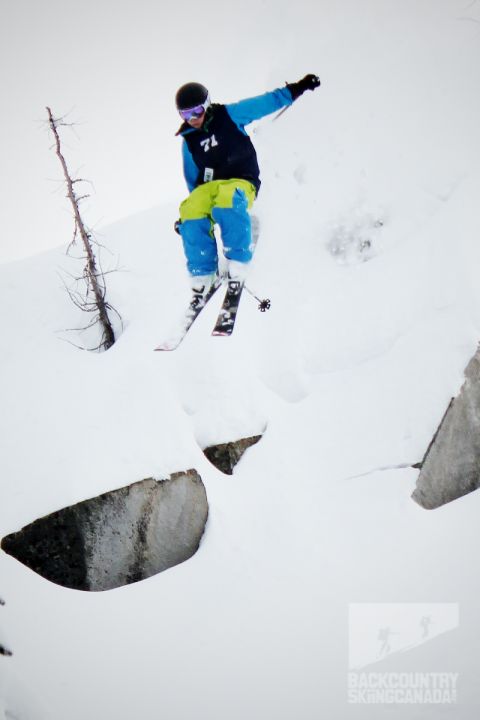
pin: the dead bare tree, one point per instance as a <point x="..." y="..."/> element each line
<point x="93" y="299"/>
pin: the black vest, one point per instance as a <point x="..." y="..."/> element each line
<point x="220" y="150"/>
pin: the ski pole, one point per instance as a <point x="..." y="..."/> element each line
<point x="281" y="112"/>
<point x="262" y="304"/>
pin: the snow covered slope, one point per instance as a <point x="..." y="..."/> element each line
<point x="369" y="251"/>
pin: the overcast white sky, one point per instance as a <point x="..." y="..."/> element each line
<point x="114" y="66"/>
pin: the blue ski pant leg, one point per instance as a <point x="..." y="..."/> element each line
<point x="196" y="229"/>
<point x="225" y="202"/>
<point x="233" y="200"/>
<point x="199" y="246"/>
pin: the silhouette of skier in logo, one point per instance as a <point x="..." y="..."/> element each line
<point x="384" y="638"/>
<point x="425" y="623"/>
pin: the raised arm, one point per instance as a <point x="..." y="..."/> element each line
<point x="246" y="111"/>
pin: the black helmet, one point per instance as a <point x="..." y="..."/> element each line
<point x="190" y="95"/>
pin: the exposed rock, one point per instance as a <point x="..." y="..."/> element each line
<point x="3" y="650"/>
<point x="451" y="466"/>
<point x="119" y="537"/>
<point x="227" y="455"/>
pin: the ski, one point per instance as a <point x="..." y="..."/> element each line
<point x="228" y="312"/>
<point x="227" y="316"/>
<point x="195" y="308"/>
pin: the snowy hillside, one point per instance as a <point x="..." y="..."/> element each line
<point x="369" y="252"/>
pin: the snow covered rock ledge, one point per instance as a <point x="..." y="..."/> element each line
<point x="119" y="537"/>
<point x="451" y="467"/>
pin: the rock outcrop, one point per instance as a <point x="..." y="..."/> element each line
<point x="451" y="466"/>
<point x="227" y="455"/>
<point x="117" y="538"/>
<point x="3" y="650"/>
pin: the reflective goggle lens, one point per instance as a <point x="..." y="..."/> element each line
<point x="194" y="112"/>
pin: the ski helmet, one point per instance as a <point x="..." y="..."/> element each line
<point x="190" y="95"/>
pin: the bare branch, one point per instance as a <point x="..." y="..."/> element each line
<point x="79" y="347"/>
<point x="93" y="277"/>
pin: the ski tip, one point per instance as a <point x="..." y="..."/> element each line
<point x="170" y="344"/>
<point x="165" y="348"/>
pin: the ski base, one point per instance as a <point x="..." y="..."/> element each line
<point x="228" y="312"/>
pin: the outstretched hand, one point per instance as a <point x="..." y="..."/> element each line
<point x="309" y="82"/>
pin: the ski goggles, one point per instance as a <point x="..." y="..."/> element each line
<point x="194" y="112"/>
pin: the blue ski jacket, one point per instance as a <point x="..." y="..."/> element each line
<point x="221" y="149"/>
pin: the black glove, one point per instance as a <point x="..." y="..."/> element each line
<point x="176" y="226"/>
<point x="309" y="82"/>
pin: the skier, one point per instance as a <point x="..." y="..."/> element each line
<point x="221" y="171"/>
